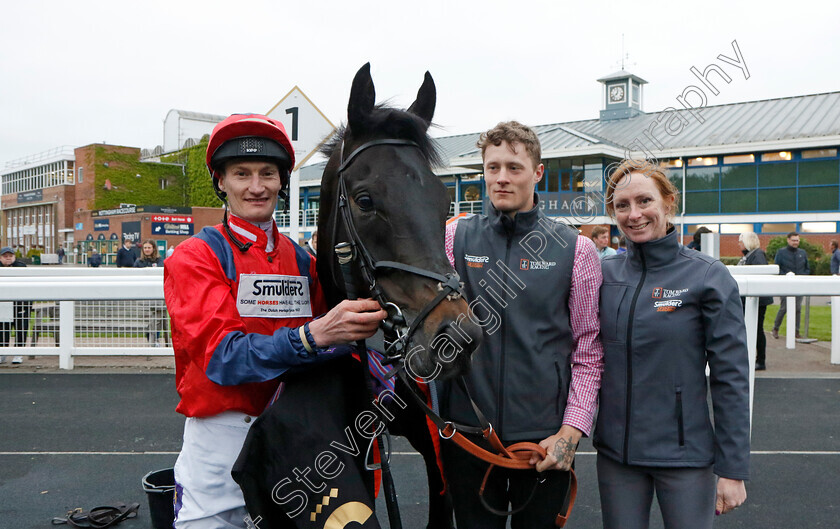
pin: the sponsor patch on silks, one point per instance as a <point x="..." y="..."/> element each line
<point x="476" y="261"/>
<point x="273" y="296"/>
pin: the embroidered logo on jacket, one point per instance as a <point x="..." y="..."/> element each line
<point x="665" y="293"/>
<point x="669" y="305"/>
<point x="527" y="264"/>
<point x="476" y="261"/>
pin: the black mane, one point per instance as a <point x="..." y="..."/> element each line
<point x="389" y="122"/>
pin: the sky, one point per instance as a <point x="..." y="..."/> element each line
<point x="82" y="72"/>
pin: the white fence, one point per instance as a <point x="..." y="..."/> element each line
<point x="73" y="312"/>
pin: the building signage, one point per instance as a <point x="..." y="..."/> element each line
<point x="172" y="218"/>
<point x="101" y="225"/>
<point x="116" y="211"/>
<point x="307" y="126"/>
<point x="131" y="231"/>
<point x="80" y="226"/>
<point x="172" y="228"/>
<point x="30" y="196"/>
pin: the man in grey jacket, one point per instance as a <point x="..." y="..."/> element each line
<point x="791" y="258"/>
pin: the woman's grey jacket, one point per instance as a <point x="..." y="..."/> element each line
<point x="665" y="312"/>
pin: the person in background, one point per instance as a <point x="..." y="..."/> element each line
<point x="95" y="260"/>
<point x="666" y="313"/>
<point x="750" y="246"/>
<point x="20" y="310"/>
<point x="695" y="241"/>
<point x="835" y="259"/>
<point x="312" y="245"/>
<point x="170" y="251"/>
<point x="622" y="245"/>
<point x="125" y="255"/>
<point x="794" y="259"/>
<point x="149" y="255"/>
<point x="601" y="237"/>
<point x="61" y="255"/>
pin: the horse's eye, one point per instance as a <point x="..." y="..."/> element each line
<point x="364" y="202"/>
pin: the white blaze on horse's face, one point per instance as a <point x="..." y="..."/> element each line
<point x="510" y="176"/>
<point x="252" y="189"/>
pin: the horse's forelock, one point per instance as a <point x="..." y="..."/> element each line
<point x="389" y="122"/>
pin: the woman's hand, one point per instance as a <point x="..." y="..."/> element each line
<point x="731" y="494"/>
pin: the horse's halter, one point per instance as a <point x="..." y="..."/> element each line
<point x="395" y="326"/>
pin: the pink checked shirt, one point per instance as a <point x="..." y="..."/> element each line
<point x="588" y="357"/>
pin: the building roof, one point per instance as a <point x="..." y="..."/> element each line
<point x="781" y="123"/>
<point x="621" y="74"/>
<point x="197" y="116"/>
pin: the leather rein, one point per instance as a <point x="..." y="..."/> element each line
<point x="515" y="456"/>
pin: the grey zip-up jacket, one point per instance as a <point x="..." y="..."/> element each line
<point x="521" y="374"/>
<point x="665" y="312"/>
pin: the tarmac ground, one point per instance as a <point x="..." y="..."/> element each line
<point x="86" y="437"/>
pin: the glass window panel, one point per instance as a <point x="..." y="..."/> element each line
<point x="675" y="176"/>
<point x="819" y="227"/>
<point x="691" y="228"/>
<point x="781" y="156"/>
<point x="700" y="178"/>
<point x="577" y="178"/>
<point x="709" y="160"/>
<point x="701" y="202"/>
<point x="819" y="153"/>
<point x="819" y="173"/>
<point x="777" y="175"/>
<point x="737" y="201"/>
<point x="778" y="227"/>
<point x="735" y="228"/>
<point x="777" y="199"/>
<point x="553" y="181"/>
<point x="673" y="163"/>
<point x="739" y="176"/>
<point x="565" y="176"/>
<point x="739" y="158"/>
<point x="818" y="198"/>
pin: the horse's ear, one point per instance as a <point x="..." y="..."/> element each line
<point x="362" y="99"/>
<point x="424" y="105"/>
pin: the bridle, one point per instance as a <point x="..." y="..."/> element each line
<point x="395" y="325"/>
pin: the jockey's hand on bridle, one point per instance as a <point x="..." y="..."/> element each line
<point x="560" y="450"/>
<point x="347" y="322"/>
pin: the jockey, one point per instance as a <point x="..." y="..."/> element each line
<point x="242" y="298"/>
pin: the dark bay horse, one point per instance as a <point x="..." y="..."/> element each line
<point x="305" y="462"/>
<point x="398" y="208"/>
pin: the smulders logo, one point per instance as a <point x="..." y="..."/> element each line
<point x="476" y="261"/>
<point x="669" y="305"/>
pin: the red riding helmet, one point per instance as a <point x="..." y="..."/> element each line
<point x="249" y="136"/>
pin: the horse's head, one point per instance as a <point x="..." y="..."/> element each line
<point x="380" y="174"/>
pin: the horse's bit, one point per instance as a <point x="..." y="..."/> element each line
<point x="449" y="285"/>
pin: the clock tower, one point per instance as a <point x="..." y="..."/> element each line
<point x="622" y="95"/>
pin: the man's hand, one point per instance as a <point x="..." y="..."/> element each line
<point x="347" y="322"/>
<point x="731" y="493"/>
<point x="560" y="450"/>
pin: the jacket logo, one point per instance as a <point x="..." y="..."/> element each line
<point x="476" y="261"/>
<point x="527" y="264"/>
<point x="665" y="293"/>
<point x="669" y="305"/>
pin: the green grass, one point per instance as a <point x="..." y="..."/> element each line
<point x="819" y="326"/>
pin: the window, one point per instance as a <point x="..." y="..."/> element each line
<point x="691" y="228"/>
<point x="739" y="158"/>
<point x="737" y="201"/>
<point x="777" y="175"/>
<point x="781" y="156"/>
<point x="738" y="177"/>
<point x="819" y="153"/>
<point x="784" y="227"/>
<point x="163" y="183"/>
<point x="777" y="199"/>
<point x="710" y="160"/>
<point x="702" y="202"/>
<point x="673" y="163"/>
<point x="819" y="227"/>
<point x="824" y="172"/>
<point x="735" y="228"/>
<point x="702" y="178"/>
<point x="822" y="198"/>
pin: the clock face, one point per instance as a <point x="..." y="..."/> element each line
<point x="617" y="93"/>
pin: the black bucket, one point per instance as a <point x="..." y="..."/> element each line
<point x="160" y="488"/>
